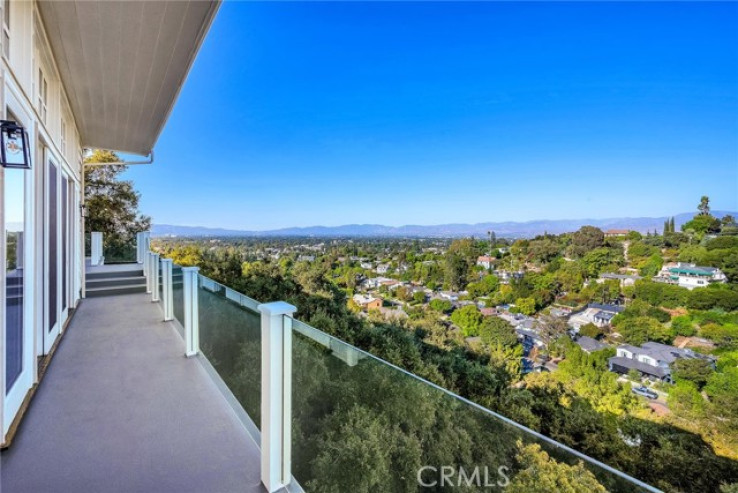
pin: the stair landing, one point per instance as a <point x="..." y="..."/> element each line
<point x="115" y="279"/>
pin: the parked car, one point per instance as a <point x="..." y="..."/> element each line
<point x="645" y="392"/>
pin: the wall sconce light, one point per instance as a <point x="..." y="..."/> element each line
<point x="83" y="210"/>
<point x="14" y="141"/>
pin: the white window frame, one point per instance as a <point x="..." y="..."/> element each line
<point x="43" y="94"/>
<point x="63" y="141"/>
<point x="6" y="28"/>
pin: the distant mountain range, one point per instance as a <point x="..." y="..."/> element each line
<point x="507" y="229"/>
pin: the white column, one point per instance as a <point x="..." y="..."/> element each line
<point x="191" y="312"/>
<point x="154" y="277"/>
<point x="166" y="279"/>
<point x="276" y="394"/>
<point x="96" y="247"/>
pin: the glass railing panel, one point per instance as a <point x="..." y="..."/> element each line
<point x="361" y="424"/>
<point x="160" y="274"/>
<point x="178" y="295"/>
<point x="119" y="251"/>
<point x="230" y="338"/>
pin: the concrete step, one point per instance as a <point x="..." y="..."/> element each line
<point x="115" y="281"/>
<point x="114" y="290"/>
<point x="118" y="273"/>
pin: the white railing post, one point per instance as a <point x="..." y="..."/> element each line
<point x="166" y="279"/>
<point x="276" y="394"/>
<point x="147" y="270"/>
<point x="96" y="248"/>
<point x="139" y="248"/>
<point x="191" y="312"/>
<point x="154" y="277"/>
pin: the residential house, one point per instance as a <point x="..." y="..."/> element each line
<point x="383" y="268"/>
<point x="690" y="276"/>
<point x="486" y="261"/>
<point x="610" y="233"/>
<point x="367" y="302"/>
<point x="596" y="313"/>
<point x="590" y="345"/>
<point x="506" y="276"/>
<point x="623" y="279"/>
<point x="652" y="359"/>
<point x="391" y="284"/>
<point x="529" y="338"/>
<point x="376" y="282"/>
<point x="449" y="295"/>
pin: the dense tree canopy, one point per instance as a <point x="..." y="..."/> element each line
<point x="112" y="205"/>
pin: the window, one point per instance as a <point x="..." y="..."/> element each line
<point x="6" y="28"/>
<point x="43" y="94"/>
<point x="64" y="138"/>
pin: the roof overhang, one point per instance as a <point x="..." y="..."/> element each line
<point x="123" y="64"/>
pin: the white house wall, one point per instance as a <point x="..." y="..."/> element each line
<point x="29" y="50"/>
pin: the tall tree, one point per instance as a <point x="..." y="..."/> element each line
<point x="112" y="204"/>
<point x="704" y="206"/>
<point x="586" y="239"/>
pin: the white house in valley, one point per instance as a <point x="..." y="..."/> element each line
<point x="690" y="276"/>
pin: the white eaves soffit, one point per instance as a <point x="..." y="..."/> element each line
<point x="123" y="63"/>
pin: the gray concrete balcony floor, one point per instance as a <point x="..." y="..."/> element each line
<point x="122" y="410"/>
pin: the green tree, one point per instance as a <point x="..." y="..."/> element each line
<point x="685" y="400"/>
<point x="526" y="306"/>
<point x="441" y="306"/>
<point x="652" y="266"/>
<point x="702" y="224"/>
<point x="704" y="206"/>
<point x="459" y="261"/>
<point x="112" y="205"/>
<point x="682" y="326"/>
<point x="637" y="330"/>
<point x="697" y="371"/>
<point x="591" y="330"/>
<point x="468" y="318"/>
<point x="495" y="330"/>
<point x="485" y="287"/>
<point x="539" y="472"/>
<point x="586" y="239"/>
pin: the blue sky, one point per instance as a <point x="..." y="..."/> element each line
<point x="307" y="113"/>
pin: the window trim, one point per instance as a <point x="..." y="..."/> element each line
<point x="43" y="94"/>
<point x="6" y="29"/>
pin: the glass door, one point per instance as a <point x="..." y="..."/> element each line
<point x="18" y="373"/>
<point x="64" y="247"/>
<point x="52" y="254"/>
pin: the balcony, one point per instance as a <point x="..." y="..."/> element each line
<point x="262" y="401"/>
<point x="121" y="409"/>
